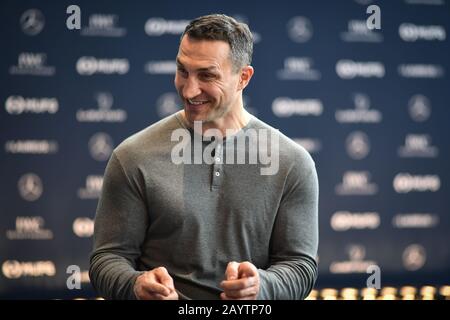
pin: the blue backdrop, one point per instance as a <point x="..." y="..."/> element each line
<point x="371" y="106"/>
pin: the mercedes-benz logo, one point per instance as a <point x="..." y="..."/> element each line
<point x="30" y="187"/>
<point x="105" y="100"/>
<point x="101" y="146"/>
<point x="419" y="108"/>
<point x="32" y="22"/>
<point x="414" y="257"/>
<point x="356" y="252"/>
<point x="361" y="101"/>
<point x="168" y="103"/>
<point x="358" y="145"/>
<point x="300" y="29"/>
<point x="11" y="269"/>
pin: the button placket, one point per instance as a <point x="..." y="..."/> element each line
<point x="217" y="168"/>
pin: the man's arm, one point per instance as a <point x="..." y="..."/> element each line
<point x="293" y="268"/>
<point x="120" y="226"/>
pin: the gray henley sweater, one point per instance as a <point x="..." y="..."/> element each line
<point x="195" y="218"/>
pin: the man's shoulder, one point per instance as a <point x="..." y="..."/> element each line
<point x="156" y="135"/>
<point x="288" y="148"/>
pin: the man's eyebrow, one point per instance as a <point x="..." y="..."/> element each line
<point x="179" y="64"/>
<point x="211" y="68"/>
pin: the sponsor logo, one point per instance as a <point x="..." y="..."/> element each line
<point x="300" y="29"/>
<point x="310" y="144"/>
<point x="30" y="187"/>
<point x="161" y="67"/>
<point x="242" y="18"/>
<point x="356" y="262"/>
<point x="156" y="27"/>
<point x="415" y="220"/>
<point x="16" y="105"/>
<point x="92" y="189"/>
<point x="418" y="146"/>
<point x="357" y="31"/>
<point x="103" y="25"/>
<point x="286" y="107"/>
<point x="431" y="71"/>
<point x="101" y="146"/>
<point x="345" y="220"/>
<point x="349" y="69"/>
<point x="167" y="104"/>
<point x="32" y="22"/>
<point x="29" y="228"/>
<point x="414" y="257"/>
<point x="406" y="182"/>
<point x="13" y="269"/>
<point x="361" y="113"/>
<point x="34" y="64"/>
<point x="257" y="38"/>
<point x="83" y="227"/>
<point x="104" y="113"/>
<point x="31" y="146"/>
<point x="357" y="145"/>
<point x="356" y="183"/>
<point x="419" y="108"/>
<point x="87" y="66"/>
<point x="298" y="68"/>
<point x="410" y="32"/>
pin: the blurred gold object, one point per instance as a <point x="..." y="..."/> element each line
<point x="389" y="293"/>
<point x="408" y="293"/>
<point x="312" y="295"/>
<point x="369" y="293"/>
<point x="349" y="294"/>
<point x="329" y="294"/>
<point x="427" y="293"/>
<point x="445" y="291"/>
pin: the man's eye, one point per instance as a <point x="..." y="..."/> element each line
<point x="182" y="72"/>
<point x="206" y="76"/>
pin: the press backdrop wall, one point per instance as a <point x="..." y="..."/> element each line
<point x="372" y="108"/>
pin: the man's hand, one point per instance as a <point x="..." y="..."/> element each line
<point x="241" y="282"/>
<point x="155" y="284"/>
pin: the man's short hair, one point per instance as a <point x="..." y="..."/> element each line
<point x="224" y="28"/>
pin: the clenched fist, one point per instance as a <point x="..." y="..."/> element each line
<point x="155" y="284"/>
<point x="241" y="282"/>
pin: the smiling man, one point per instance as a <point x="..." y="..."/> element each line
<point x="199" y="229"/>
<point x="210" y="81"/>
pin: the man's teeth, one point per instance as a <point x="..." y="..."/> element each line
<point x="196" y="102"/>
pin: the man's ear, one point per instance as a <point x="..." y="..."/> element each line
<point x="246" y="74"/>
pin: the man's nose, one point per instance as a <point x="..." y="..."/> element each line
<point x="191" y="88"/>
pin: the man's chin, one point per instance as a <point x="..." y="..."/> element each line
<point x="194" y="116"/>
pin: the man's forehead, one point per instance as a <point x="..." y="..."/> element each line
<point x="203" y="53"/>
<point x="196" y="64"/>
<point x="188" y="41"/>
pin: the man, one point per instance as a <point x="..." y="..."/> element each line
<point x="216" y="229"/>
